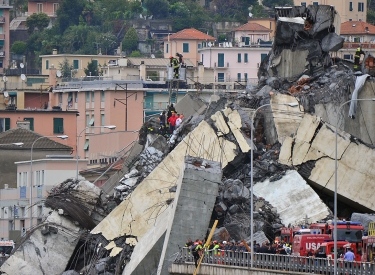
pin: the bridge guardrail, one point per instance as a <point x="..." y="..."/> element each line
<point x="279" y="262"/>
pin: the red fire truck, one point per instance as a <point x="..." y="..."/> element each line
<point x="346" y="230"/>
<point x="342" y="248"/>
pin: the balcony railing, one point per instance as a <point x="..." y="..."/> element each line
<point x="278" y="262"/>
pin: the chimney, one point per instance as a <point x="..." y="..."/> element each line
<point x="23" y="124"/>
<point x="142" y="70"/>
<point x="54" y="51"/>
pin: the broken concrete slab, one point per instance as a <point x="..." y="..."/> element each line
<point x="44" y="254"/>
<point x="284" y="119"/>
<point x="190" y="106"/>
<point x="136" y="213"/>
<point x="293" y="198"/>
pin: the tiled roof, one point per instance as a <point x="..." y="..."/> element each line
<point x="190" y="34"/>
<point x="157" y="62"/>
<point x="252" y="27"/>
<point x="27" y="137"/>
<point x="357" y="27"/>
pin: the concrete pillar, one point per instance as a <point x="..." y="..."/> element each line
<point x="200" y="73"/>
<point x="193" y="206"/>
<point x="142" y="70"/>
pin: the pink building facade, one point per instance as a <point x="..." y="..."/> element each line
<point x="44" y="122"/>
<point x="49" y="7"/>
<point x="15" y="202"/>
<point x="4" y="34"/>
<point x="99" y="107"/>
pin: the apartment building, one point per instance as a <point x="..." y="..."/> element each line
<point x="4" y="34"/>
<point x="349" y="10"/>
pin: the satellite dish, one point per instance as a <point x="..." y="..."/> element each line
<point x="22" y="66"/>
<point x="23" y="77"/>
<point x="5" y="79"/>
<point x="6" y="94"/>
<point x="209" y="44"/>
<point x="58" y="73"/>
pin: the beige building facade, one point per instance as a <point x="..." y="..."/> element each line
<point x="349" y="10"/>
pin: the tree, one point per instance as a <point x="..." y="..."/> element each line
<point x="67" y="69"/>
<point x="370" y="16"/>
<point x="130" y="41"/>
<point x="277" y="3"/>
<point x="258" y="11"/>
<point x="68" y="14"/>
<point x="108" y="42"/>
<point x="19" y="47"/>
<point x="37" y="21"/>
<point x="135" y="54"/>
<point x="157" y="8"/>
<point x="92" y="68"/>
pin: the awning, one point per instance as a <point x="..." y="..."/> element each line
<point x="12" y="93"/>
<point x="91" y="123"/>
<point x="86" y="146"/>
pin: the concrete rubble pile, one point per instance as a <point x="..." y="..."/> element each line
<point x="293" y="160"/>
<point x="71" y="210"/>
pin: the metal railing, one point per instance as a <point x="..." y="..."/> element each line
<point x="278" y="262"/>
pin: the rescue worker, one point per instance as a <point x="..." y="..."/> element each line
<point x="197" y="252"/>
<point x="357" y="57"/>
<point x="180" y="56"/>
<point x="175" y="65"/>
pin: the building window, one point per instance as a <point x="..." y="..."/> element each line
<point x="42" y="178"/>
<point x="239" y="58"/>
<point x="102" y="120"/>
<point x="37" y="177"/>
<point x="239" y="77"/>
<point x="92" y="121"/>
<point x="315" y="3"/>
<point x="202" y="58"/>
<point x="185" y="47"/>
<point x="220" y="77"/>
<point x="58" y="125"/>
<point x="75" y="97"/>
<point x="102" y="96"/>
<point x="47" y="64"/>
<point x="245" y="76"/>
<point x="92" y="96"/>
<point x="350" y="6"/>
<point x="246" y="58"/>
<point x="55" y="7"/>
<point x="86" y="146"/>
<point x="220" y="60"/>
<point x="75" y="64"/>
<point x="1" y="63"/>
<point x="60" y="98"/>
<point x="19" y="179"/>
<point x="303" y="4"/>
<point x="39" y="7"/>
<point x="87" y="119"/>
<point x="199" y="46"/>
<point x="87" y="96"/>
<point x="166" y="48"/>
<point x="4" y="124"/>
<point x="361" y="6"/>
<point x="24" y="179"/>
<point x="263" y="56"/>
<point x="70" y="99"/>
<point x="31" y="120"/>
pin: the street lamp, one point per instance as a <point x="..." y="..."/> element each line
<point x="335" y="191"/>
<point x="292" y="104"/>
<point x="31" y="173"/>
<point x="15" y="144"/>
<point x="111" y="127"/>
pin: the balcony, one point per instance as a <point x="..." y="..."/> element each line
<point x="4" y="2"/>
